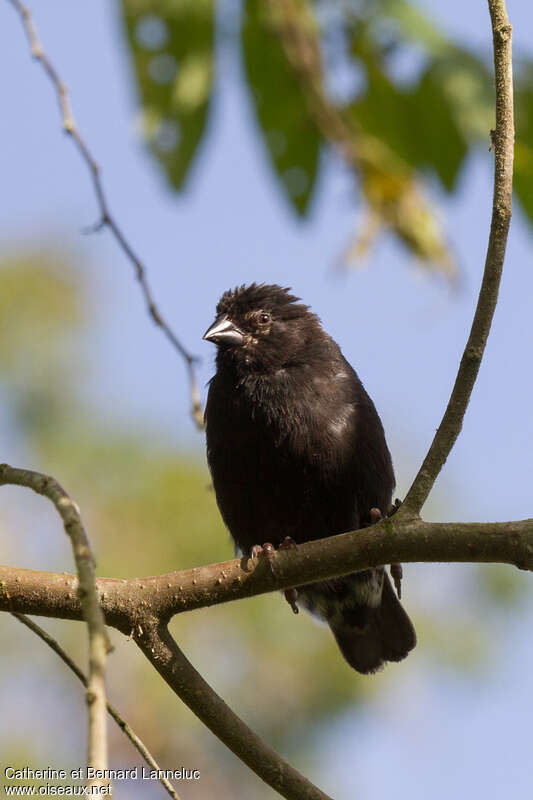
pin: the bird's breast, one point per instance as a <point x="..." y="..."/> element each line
<point x="275" y="467"/>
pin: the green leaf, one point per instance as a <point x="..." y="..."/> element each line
<point x="431" y="122"/>
<point x="172" y="42"/>
<point x="417" y="123"/>
<point x="436" y="134"/>
<point x="280" y="102"/>
<point x="463" y="78"/>
<point x="468" y="87"/>
<point x="414" y="25"/>
<point x="523" y="176"/>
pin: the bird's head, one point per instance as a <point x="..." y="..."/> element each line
<point x="262" y="327"/>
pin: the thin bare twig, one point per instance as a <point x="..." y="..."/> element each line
<point x="503" y="141"/>
<point x="106" y="217"/>
<point x="112" y="711"/>
<point x="90" y="604"/>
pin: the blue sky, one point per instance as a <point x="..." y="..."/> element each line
<point x="402" y="330"/>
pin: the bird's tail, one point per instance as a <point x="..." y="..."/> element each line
<point x="387" y="633"/>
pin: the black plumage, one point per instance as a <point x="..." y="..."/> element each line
<point x="296" y="448"/>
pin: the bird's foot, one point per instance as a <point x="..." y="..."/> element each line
<point x="267" y="550"/>
<point x="291" y="595"/>
<point x="375" y="515"/>
<point x="288" y="544"/>
<point x="394" y="507"/>
<point x="396" y="572"/>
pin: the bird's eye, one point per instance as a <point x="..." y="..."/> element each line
<point x="264" y="317"/>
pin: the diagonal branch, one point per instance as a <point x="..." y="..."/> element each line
<point x="503" y="142"/>
<point x="89" y="603"/>
<point x="112" y="711"/>
<point x="106" y="217"/>
<point x="162" y="651"/>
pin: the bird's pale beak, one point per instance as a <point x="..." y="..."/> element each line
<point x="224" y="331"/>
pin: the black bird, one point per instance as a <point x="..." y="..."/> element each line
<point x="296" y="449"/>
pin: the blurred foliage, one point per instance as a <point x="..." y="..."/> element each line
<point x="401" y="131"/>
<point x="39" y="302"/>
<point x="172" y="43"/>
<point x="504" y="586"/>
<point x="280" y="104"/>
<point x="150" y="509"/>
<point x="523" y="178"/>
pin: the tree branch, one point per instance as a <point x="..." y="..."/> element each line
<point x="142" y="607"/>
<point x="106" y="217"/>
<point x="503" y="141"/>
<point x="111" y="710"/>
<point x="126" y="603"/>
<point x="89" y="605"/>
<point x="161" y="650"/>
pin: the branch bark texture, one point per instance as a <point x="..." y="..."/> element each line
<point x="88" y="599"/>
<point x="126" y="603"/>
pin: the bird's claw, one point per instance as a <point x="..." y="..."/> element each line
<point x="288" y="544"/>
<point x="396" y="572"/>
<point x="267" y="550"/>
<point x="394" y="507"/>
<point x="375" y="515"/>
<point x="291" y="595"/>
